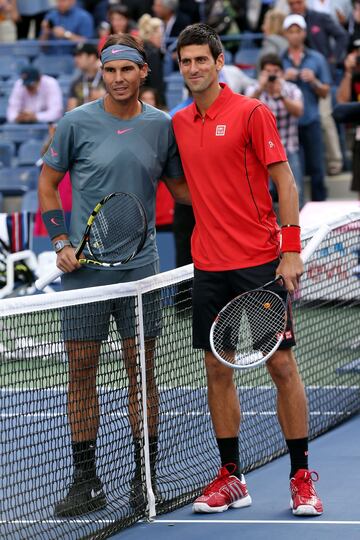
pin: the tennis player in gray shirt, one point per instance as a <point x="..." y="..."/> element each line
<point x="116" y="143"/>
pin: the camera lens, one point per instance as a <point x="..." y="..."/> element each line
<point x="272" y="78"/>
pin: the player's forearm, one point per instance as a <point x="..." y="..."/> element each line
<point x="287" y="192"/>
<point x="179" y="190"/>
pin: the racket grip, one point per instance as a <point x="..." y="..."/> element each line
<point x="314" y="243"/>
<point x="42" y="282"/>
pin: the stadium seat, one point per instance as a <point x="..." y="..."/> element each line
<point x="55" y="65"/>
<point x="174" y="89"/>
<point x="10" y="66"/>
<point x="18" y="180"/>
<point x="246" y="58"/>
<point x="6" y="85"/>
<point x="7" y="152"/>
<point x="3" y="108"/>
<point x="29" y="202"/>
<point x="65" y="81"/>
<point x="19" y="133"/>
<point x="27" y="47"/>
<point x="29" y="152"/>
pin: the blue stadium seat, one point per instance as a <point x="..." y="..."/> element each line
<point x="18" y="180"/>
<point x="55" y="65"/>
<point x="27" y="47"/>
<point x="1" y="202"/>
<point x="29" y="152"/>
<point x="29" y="202"/>
<point x="7" y="152"/>
<point x="10" y="66"/>
<point x="65" y="81"/>
<point x="3" y="108"/>
<point x="19" y="133"/>
<point x="246" y="57"/>
<point x="228" y="57"/>
<point x="6" y="85"/>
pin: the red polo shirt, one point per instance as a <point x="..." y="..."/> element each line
<point x="225" y="157"/>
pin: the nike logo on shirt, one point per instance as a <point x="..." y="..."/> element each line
<point x="121" y="131"/>
<point x="52" y="152"/>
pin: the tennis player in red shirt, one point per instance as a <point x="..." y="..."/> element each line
<point x="229" y="146"/>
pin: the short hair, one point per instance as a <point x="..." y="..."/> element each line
<point x="128" y="41"/>
<point x="272" y="59"/>
<point x="200" y="34"/>
<point x="120" y="10"/>
<point x="172" y="5"/>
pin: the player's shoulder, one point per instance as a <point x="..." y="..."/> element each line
<point x="152" y="113"/>
<point x="246" y="105"/>
<point x="83" y="111"/>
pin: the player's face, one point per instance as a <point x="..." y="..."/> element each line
<point x="198" y="67"/>
<point x="122" y="79"/>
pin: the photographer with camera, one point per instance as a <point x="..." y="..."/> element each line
<point x="285" y="101"/>
<point x="349" y="91"/>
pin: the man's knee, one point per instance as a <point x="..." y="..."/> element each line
<point x="282" y="367"/>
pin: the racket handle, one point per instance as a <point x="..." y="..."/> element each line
<point x="42" y="282"/>
<point x="314" y="243"/>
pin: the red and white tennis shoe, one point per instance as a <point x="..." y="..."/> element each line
<point x="222" y="493"/>
<point x="304" y="499"/>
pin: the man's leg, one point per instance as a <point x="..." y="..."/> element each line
<point x="130" y="348"/>
<point x="86" y="493"/>
<point x="292" y="412"/>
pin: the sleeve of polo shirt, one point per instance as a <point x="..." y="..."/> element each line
<point x="264" y="136"/>
<point x="323" y="72"/>
<point x="173" y="167"/>
<point x="60" y="153"/>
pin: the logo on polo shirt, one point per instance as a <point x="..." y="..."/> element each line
<point x="271" y="144"/>
<point x="220" y="131"/>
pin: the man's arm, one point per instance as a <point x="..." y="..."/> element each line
<point x="340" y="36"/>
<point x="49" y="199"/>
<point x="291" y="266"/>
<point x="179" y="189"/>
<point x="14" y="104"/>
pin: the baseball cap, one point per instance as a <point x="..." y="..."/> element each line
<point x="30" y="75"/>
<point x="294" y="19"/>
<point x="87" y="48"/>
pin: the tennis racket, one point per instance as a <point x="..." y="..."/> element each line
<point x="250" y="328"/>
<point x="115" y="233"/>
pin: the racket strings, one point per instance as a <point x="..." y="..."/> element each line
<point x="250" y="327"/>
<point x="118" y="229"/>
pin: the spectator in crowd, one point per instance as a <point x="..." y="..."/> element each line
<point x="119" y="23"/>
<point x="89" y="84"/>
<point x="34" y="98"/>
<point x="349" y="91"/>
<point x="97" y="9"/>
<point x="164" y="211"/>
<point x="329" y="38"/>
<point x="285" y="100"/>
<point x="137" y="8"/>
<point x="273" y="40"/>
<point x="309" y="70"/>
<point x="339" y="10"/>
<point x="8" y="16"/>
<point x="151" y="32"/>
<point x="256" y="11"/>
<point x="28" y="11"/>
<point x="67" y="21"/>
<point x="174" y="21"/>
<point x="354" y="22"/>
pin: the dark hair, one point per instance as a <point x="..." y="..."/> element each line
<point x="120" y="10"/>
<point x="272" y="59"/>
<point x="128" y="41"/>
<point x="200" y="34"/>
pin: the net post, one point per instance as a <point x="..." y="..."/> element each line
<point x="139" y="314"/>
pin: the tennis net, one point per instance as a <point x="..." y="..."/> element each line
<point x="166" y="410"/>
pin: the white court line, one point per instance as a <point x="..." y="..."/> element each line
<point x="255" y="521"/>
<point x="169" y="413"/>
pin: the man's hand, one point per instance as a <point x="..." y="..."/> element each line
<point x="66" y="260"/>
<point x="291" y="74"/>
<point x="58" y="31"/>
<point x="25" y="117"/>
<point x="291" y="269"/>
<point x="307" y="75"/>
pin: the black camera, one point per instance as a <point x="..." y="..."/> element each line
<point x="272" y="78"/>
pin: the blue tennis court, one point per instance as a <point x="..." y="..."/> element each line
<point x="335" y="455"/>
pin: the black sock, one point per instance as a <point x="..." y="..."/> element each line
<point x="298" y="449"/>
<point x="153" y="448"/>
<point x="229" y="453"/>
<point x="84" y="457"/>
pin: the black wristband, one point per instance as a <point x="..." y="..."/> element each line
<point x="54" y="221"/>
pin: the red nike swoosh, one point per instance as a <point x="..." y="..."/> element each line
<point x="53" y="153"/>
<point x="121" y="131"/>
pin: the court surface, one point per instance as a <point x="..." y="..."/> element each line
<point x="335" y="455"/>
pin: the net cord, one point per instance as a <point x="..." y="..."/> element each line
<point x="142" y="355"/>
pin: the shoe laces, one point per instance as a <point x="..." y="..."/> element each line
<point x="307" y="483"/>
<point x="223" y="474"/>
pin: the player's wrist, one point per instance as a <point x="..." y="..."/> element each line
<point x="290" y="238"/>
<point x="54" y="221"/>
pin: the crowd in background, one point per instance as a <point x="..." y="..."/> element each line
<point x="307" y="61"/>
